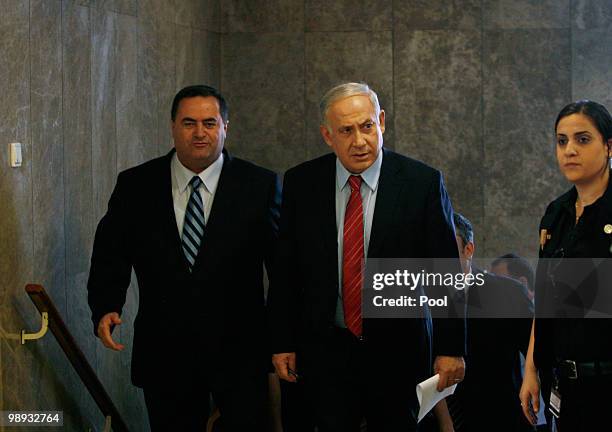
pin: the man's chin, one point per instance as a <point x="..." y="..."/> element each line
<point x="207" y="157"/>
<point x="359" y="167"/>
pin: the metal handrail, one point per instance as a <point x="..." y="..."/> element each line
<point x="44" y="304"/>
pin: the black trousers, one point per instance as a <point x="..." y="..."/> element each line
<point x="585" y="404"/>
<point x="179" y="399"/>
<point x="479" y="405"/>
<point x="296" y="413"/>
<point x="346" y="380"/>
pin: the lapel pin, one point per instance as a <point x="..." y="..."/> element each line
<point x="544" y="236"/>
<point x="608" y="229"/>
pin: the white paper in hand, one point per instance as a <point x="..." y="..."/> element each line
<point x="429" y="396"/>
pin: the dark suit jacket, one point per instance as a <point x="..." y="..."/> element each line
<point x="498" y="328"/>
<point x="412" y="218"/>
<point x="219" y="307"/>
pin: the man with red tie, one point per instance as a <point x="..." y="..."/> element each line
<point x="360" y="202"/>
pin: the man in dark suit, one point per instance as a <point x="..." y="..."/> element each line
<point x="499" y="314"/>
<point x="362" y="201"/>
<point x="516" y="267"/>
<point x="196" y="226"/>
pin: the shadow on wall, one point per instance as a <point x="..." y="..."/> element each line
<point x="37" y="375"/>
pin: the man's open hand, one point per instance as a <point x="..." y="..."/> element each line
<point x="104" y="330"/>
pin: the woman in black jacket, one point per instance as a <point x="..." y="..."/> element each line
<point x="569" y="351"/>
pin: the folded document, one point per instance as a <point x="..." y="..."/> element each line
<point x="429" y="396"/>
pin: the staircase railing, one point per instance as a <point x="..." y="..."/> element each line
<point x="44" y="304"/>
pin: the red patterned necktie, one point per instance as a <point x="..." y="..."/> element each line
<point x="351" y="258"/>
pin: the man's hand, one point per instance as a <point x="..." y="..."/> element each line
<point x="282" y="363"/>
<point x="104" y="330"/>
<point x="530" y="396"/>
<point x="451" y="370"/>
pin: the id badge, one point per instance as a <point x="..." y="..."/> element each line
<point x="555" y="402"/>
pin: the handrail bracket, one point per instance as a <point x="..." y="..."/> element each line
<point x="40" y="333"/>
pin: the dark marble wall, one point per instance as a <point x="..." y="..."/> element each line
<point x="86" y="87"/>
<point x="471" y="87"/>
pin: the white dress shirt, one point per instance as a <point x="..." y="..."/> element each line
<point x="181" y="176"/>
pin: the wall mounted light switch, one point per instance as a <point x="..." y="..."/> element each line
<point x="15" y="155"/>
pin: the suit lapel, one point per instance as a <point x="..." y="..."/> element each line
<point x="327" y="209"/>
<point x="389" y="189"/>
<point x="172" y="237"/>
<point x="227" y="193"/>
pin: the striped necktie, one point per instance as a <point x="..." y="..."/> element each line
<point x="352" y="254"/>
<point x="193" y="228"/>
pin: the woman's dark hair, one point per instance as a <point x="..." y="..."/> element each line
<point x="598" y="114"/>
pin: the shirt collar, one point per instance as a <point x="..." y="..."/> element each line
<point x="210" y="176"/>
<point x="568" y="200"/>
<point x="369" y="176"/>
